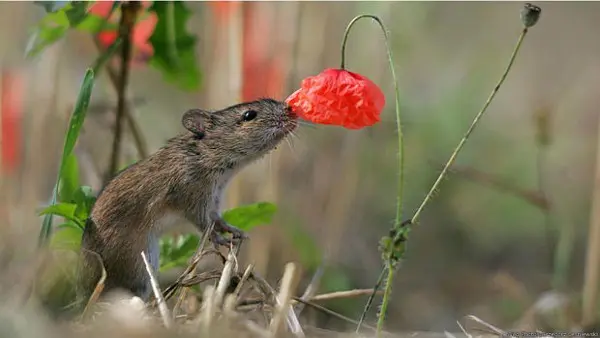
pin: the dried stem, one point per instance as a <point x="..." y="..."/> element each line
<point x="592" y="266"/>
<point x="162" y="305"/>
<point x="136" y="131"/>
<point x="284" y="300"/>
<point x="462" y="142"/>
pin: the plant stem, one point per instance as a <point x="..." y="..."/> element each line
<point x="462" y="142"/>
<point x="136" y="131"/>
<point x="128" y="15"/>
<point x="400" y="187"/>
<point x="387" y="292"/>
<point x="370" y="300"/>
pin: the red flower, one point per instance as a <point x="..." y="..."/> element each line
<point x="141" y="31"/>
<point x="11" y="110"/>
<point x="338" y="97"/>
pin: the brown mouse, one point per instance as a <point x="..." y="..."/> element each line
<point x="184" y="179"/>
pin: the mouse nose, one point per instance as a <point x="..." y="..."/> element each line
<point x="290" y="112"/>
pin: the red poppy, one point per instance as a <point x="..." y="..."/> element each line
<point x="10" y="120"/>
<point x="224" y="9"/>
<point x="141" y="32"/>
<point x="338" y="97"/>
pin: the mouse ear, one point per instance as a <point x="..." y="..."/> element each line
<point x="193" y="121"/>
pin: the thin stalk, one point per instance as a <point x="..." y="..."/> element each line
<point x="128" y="14"/>
<point x="400" y="187"/>
<point x="462" y="142"/>
<point x="370" y="300"/>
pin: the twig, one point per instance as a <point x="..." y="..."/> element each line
<point x="463" y="330"/>
<point x="341" y="294"/>
<point x="99" y="286"/>
<point x="244" y="278"/>
<point x="333" y="313"/>
<point x="191" y="269"/>
<point x="283" y="302"/>
<point x="488" y="326"/>
<point x="464" y="139"/>
<point x="371" y="298"/>
<point x="136" y="131"/>
<point x="311" y="289"/>
<point x="129" y="12"/>
<point x="225" y="278"/>
<point x="162" y="305"/>
<point x="207" y="310"/>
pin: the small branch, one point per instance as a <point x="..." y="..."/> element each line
<point x="225" y="278"/>
<point x="136" y="131"/>
<point x="333" y="313"/>
<point x="129" y="12"/>
<point x="99" y="286"/>
<point x="311" y="289"/>
<point x="462" y="142"/>
<point x="341" y="294"/>
<point x="162" y="305"/>
<point x="283" y="304"/>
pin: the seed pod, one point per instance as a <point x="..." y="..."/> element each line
<point x="530" y="14"/>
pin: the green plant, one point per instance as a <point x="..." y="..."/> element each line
<point x="394" y="245"/>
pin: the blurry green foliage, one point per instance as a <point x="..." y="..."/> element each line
<point x="60" y="17"/>
<point x="174" y="48"/>
<point x="66" y="164"/>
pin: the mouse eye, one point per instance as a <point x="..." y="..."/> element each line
<point x="249" y="115"/>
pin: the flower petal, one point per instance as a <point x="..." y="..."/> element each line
<point x="338" y="97"/>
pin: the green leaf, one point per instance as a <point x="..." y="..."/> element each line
<point x="177" y="253"/>
<point x="69" y="179"/>
<point x="65" y="210"/>
<point x="67" y="238"/>
<point x="94" y="24"/>
<point x="83" y="100"/>
<point x="81" y="105"/>
<point x="85" y="199"/>
<point x="106" y="54"/>
<point x="249" y="216"/>
<point x="174" y="48"/>
<point x="55" y="24"/>
<point x="68" y="224"/>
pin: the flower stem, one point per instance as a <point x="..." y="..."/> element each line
<point x="371" y="298"/>
<point x="462" y="142"/>
<point x="400" y="187"/>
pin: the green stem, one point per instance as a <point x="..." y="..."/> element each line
<point x="370" y="300"/>
<point x="387" y="291"/>
<point x="400" y="187"/>
<point x="452" y="158"/>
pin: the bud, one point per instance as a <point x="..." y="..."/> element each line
<point x="530" y="14"/>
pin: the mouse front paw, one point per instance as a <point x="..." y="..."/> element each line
<point x="221" y="228"/>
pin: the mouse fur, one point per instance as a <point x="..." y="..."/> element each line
<point x="184" y="179"/>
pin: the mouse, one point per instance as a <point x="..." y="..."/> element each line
<point x="183" y="180"/>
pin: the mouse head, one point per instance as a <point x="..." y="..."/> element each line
<point x="241" y="132"/>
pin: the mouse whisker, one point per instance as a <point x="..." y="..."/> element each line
<point x="289" y="142"/>
<point x="307" y="124"/>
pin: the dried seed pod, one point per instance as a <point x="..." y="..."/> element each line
<point x="530" y="14"/>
